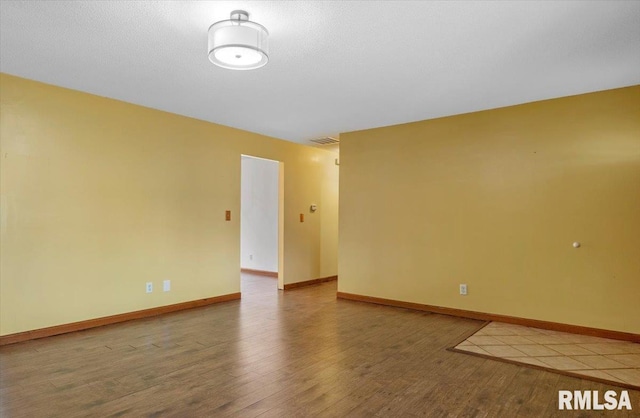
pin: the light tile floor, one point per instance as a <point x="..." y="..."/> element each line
<point x="612" y="360"/>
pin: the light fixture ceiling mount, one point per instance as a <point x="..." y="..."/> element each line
<point x="238" y="44"/>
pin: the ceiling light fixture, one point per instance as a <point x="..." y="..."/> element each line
<point x="238" y="44"/>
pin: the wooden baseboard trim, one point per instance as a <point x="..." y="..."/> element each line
<point x="289" y="286"/>
<point x="113" y="319"/>
<point x="482" y="316"/>
<point x="260" y="272"/>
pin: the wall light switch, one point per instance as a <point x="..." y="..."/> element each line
<point x="302" y="217"/>
<point x="463" y="289"/>
<point x="166" y="285"/>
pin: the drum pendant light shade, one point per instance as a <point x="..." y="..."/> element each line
<point x="238" y="44"/>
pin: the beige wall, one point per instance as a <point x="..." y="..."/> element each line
<point x="495" y="200"/>
<point x="329" y="219"/>
<point x="99" y="197"/>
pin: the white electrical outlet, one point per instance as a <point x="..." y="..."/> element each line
<point x="166" y="285"/>
<point x="149" y="287"/>
<point x="250" y="256"/>
<point x="463" y="289"/>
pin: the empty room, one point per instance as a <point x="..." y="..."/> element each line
<point x="319" y="208"/>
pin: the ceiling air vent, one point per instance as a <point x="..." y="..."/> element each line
<point x="327" y="140"/>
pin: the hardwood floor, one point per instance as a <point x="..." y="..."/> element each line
<point x="276" y="354"/>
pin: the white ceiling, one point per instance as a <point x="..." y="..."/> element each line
<point x="335" y="66"/>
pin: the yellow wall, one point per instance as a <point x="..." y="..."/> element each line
<point x="99" y="197"/>
<point x="329" y="220"/>
<point x="495" y="200"/>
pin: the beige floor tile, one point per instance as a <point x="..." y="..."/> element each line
<point x="529" y="360"/>
<point x="587" y="339"/>
<point x="599" y="362"/>
<point x="503" y="351"/>
<point x="600" y="374"/>
<point x="571" y="338"/>
<point x="550" y="332"/>
<point x="570" y="350"/>
<point x="549" y="339"/>
<point x="631" y="376"/>
<point x="536" y="350"/>
<point x="504" y="326"/>
<point x="609" y="348"/>
<point x="576" y="338"/>
<point x="582" y="339"/>
<point x="473" y="349"/>
<point x="526" y="331"/>
<point x="632" y="348"/>
<point x="494" y="331"/>
<point x="514" y="339"/>
<point x="613" y="360"/>
<point x="632" y="360"/>
<point x="484" y="340"/>
<point x="563" y="363"/>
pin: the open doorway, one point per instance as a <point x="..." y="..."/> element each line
<point x="261" y="215"/>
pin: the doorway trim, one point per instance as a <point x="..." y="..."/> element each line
<point x="280" y="225"/>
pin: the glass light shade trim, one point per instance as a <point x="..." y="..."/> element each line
<point x="238" y="44"/>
